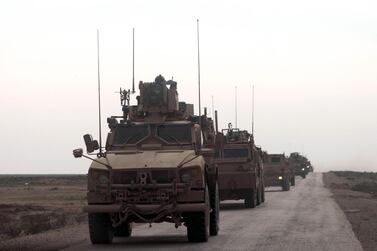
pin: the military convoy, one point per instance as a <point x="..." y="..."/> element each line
<point x="240" y="167"/>
<point x="278" y="171"/>
<point x="158" y="166"/>
<point x="162" y="163"/>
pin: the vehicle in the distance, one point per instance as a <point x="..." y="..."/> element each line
<point x="277" y="171"/>
<point x="300" y="163"/>
<point x="157" y="167"/>
<point x="240" y="167"/>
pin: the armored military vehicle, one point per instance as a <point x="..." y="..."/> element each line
<point x="240" y="167"/>
<point x="277" y="171"/>
<point x="300" y="164"/>
<point x="157" y="167"/>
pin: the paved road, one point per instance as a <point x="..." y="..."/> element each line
<point x="305" y="218"/>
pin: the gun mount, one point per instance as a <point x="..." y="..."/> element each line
<point x="158" y="102"/>
<point x="235" y="135"/>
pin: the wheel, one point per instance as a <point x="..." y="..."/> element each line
<point x="250" y="200"/>
<point x="198" y="224"/>
<point x="259" y="196"/>
<point x="303" y="175"/>
<point x="293" y="180"/>
<point x="286" y="185"/>
<point x="214" y="215"/>
<point x="124" y="230"/>
<point x="100" y="229"/>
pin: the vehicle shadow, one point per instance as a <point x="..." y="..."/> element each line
<point x="151" y="242"/>
<point x="273" y="190"/>
<point x="233" y="206"/>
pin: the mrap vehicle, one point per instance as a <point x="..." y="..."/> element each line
<point x="157" y="166"/>
<point x="240" y="167"/>
<point x="300" y="163"/>
<point x="277" y="171"/>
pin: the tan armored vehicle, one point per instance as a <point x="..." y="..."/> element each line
<point x="300" y="164"/>
<point x="157" y="167"/>
<point x="240" y="167"/>
<point x="277" y="171"/>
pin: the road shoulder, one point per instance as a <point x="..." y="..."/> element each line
<point x="360" y="208"/>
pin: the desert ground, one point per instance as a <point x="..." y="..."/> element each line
<point x="356" y="194"/>
<point x="43" y="212"/>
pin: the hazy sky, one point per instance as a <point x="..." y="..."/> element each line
<point x="313" y="64"/>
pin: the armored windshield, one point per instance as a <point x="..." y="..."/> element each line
<point x="275" y="159"/>
<point x="175" y="134"/>
<point x="236" y="153"/>
<point x="130" y="134"/>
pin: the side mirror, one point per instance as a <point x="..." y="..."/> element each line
<point x="91" y="145"/>
<point x="78" y="153"/>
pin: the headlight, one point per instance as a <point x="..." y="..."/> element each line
<point x="103" y="179"/>
<point x="97" y="177"/>
<point x="280" y="177"/>
<point x="303" y="169"/>
<point x="188" y="175"/>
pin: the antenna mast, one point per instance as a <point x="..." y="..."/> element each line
<point x="99" y="97"/>
<point x="133" y="60"/>
<point x="235" y="101"/>
<point x="252" y="112"/>
<point x="213" y="108"/>
<point x="197" y="33"/>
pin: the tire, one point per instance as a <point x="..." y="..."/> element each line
<point x="100" y="229"/>
<point x="259" y="196"/>
<point x="124" y="230"/>
<point x="215" y="213"/>
<point x="286" y="185"/>
<point x="293" y="180"/>
<point x="250" y="200"/>
<point x="198" y="224"/>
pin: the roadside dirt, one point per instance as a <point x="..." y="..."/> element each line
<point x="356" y="194"/>
<point x="33" y="204"/>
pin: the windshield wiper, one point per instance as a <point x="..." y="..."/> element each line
<point x="131" y="137"/>
<point x="175" y="139"/>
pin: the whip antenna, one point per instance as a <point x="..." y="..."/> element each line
<point x="99" y="96"/>
<point x="252" y="112"/>
<point x="197" y="33"/>
<point x="235" y="101"/>
<point x="133" y="60"/>
<point x="213" y="108"/>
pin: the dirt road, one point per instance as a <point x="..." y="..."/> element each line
<point x="305" y="218"/>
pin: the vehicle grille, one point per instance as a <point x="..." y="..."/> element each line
<point x="124" y="177"/>
<point x="128" y="177"/>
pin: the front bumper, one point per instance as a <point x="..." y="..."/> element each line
<point x="273" y="179"/>
<point x="146" y="209"/>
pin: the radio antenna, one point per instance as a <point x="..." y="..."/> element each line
<point x="99" y="97"/>
<point x="197" y="33"/>
<point x="133" y="60"/>
<point x="252" y="112"/>
<point x="235" y="101"/>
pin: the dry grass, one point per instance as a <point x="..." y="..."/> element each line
<point x="35" y="203"/>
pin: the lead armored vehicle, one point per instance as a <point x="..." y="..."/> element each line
<point x="300" y="164"/>
<point x="157" y="166"/>
<point x="240" y="167"/>
<point x="277" y="171"/>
